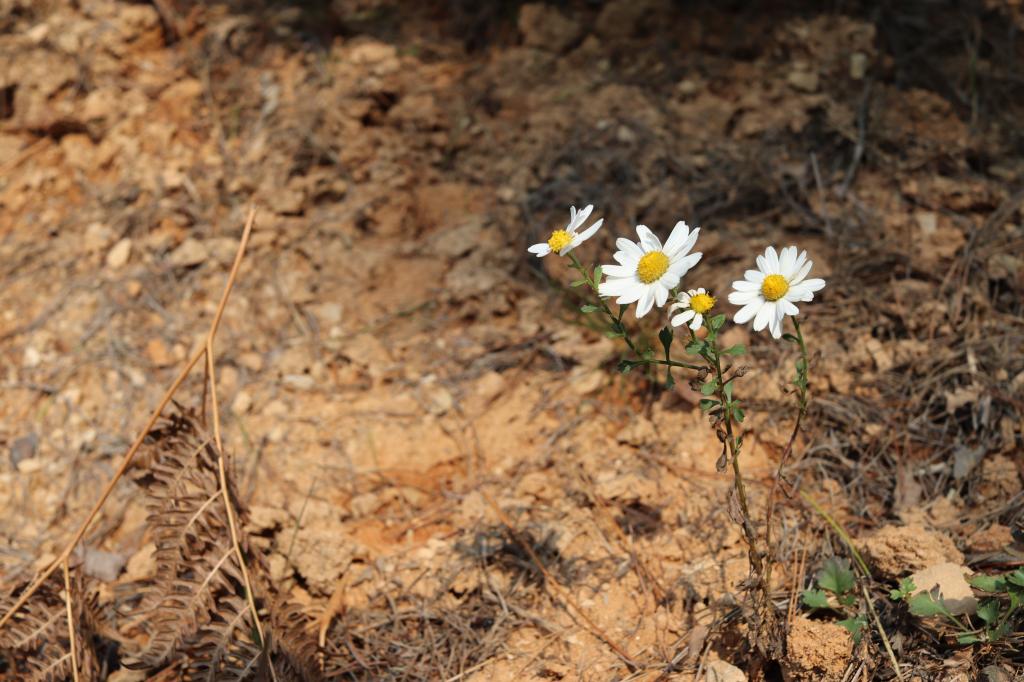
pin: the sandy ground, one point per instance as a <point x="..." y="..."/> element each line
<point x="400" y="381"/>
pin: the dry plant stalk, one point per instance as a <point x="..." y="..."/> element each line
<point x="130" y="455"/>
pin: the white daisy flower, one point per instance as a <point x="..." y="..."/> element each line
<point x="768" y="293"/>
<point x="695" y="304"/>
<point x="647" y="271"/>
<point x="564" y="241"/>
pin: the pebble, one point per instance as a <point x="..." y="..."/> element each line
<point x="118" y="255"/>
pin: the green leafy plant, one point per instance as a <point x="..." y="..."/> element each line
<point x="837" y="591"/>
<point x="996" y="614"/>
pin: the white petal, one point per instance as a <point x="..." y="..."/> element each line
<point x="646" y="302"/>
<point x="589" y="232"/>
<point x="689" y="243"/>
<point x="755" y="276"/>
<point x="648" y="240"/>
<point x="804" y="291"/>
<point x="801" y="273"/>
<point x="744" y="297"/>
<point x="660" y="293"/>
<point x="747" y="312"/>
<point x="676" y="238"/>
<point x="787" y="261"/>
<point x="577" y="218"/>
<point x="683" y="265"/>
<point x="618" y="271"/>
<point x="787" y="307"/>
<point x="744" y="285"/>
<point x="698" y="320"/>
<point x="616" y="286"/>
<point x="775" y="327"/>
<point x="630" y="249"/>
<point x="540" y="250"/>
<point x="701" y="290"/>
<point x="762" y="265"/>
<point x="669" y="280"/>
<point x="772" y="258"/>
<point x="765" y="315"/>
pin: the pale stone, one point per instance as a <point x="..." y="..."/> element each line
<point x="954" y="591"/>
<point x="118" y="256"/>
<point x="190" y="252"/>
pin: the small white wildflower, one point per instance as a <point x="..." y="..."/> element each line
<point x="647" y="271"/>
<point x="695" y="304"/>
<point x="768" y="293"/>
<point x="564" y="241"/>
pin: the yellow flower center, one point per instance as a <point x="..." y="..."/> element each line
<point x="559" y="240"/>
<point x="701" y="303"/>
<point x="652" y="266"/>
<point x="774" y="287"/>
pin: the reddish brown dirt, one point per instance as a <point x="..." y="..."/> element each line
<point x="392" y="361"/>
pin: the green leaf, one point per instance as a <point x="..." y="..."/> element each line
<point x="625" y="366"/>
<point x="925" y="605"/>
<point x="666" y="336"/>
<point x="716" y="322"/>
<point x="707" y="404"/>
<point x="815" y="599"/>
<point x="727" y="389"/>
<point x="1016" y="578"/>
<point x="709" y="387"/>
<point x="988" y="583"/>
<point x="988" y="610"/>
<point x="695" y="347"/>
<point x="739" y="414"/>
<point x="614" y="334"/>
<point x="790" y="337"/>
<point x="738" y="349"/>
<point x="597" y="275"/>
<point x="588" y="308"/>
<point x="801" y="365"/>
<point x="578" y="283"/>
<point x="855" y="626"/>
<point x="968" y="638"/>
<point x="836" y="576"/>
<point x="906" y="589"/>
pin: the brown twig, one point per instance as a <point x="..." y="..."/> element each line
<point x="211" y="375"/>
<point x="71" y="622"/>
<point x="130" y="455"/>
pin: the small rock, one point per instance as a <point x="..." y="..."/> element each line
<point x="804" y="81"/>
<point x="439" y="399"/>
<point x="489" y="387"/>
<point x="105" y="566"/>
<point x="275" y="408"/>
<point x="687" y="87"/>
<point x="587" y="381"/>
<point x="156" y="351"/>
<point x="142" y="564"/>
<point x="251" y="361"/>
<point x="31" y="357"/>
<point x="954" y="590"/>
<point x="242" y="403"/>
<point x="24" y="448"/>
<point x="858" y="66"/>
<point x="190" y="252"/>
<point x="546" y="28"/>
<point x="299" y="382"/>
<point x="720" y="671"/>
<point x="506" y="194"/>
<point x="119" y="254"/>
<point x="285" y="201"/>
<point x="97" y="236"/>
<point x="928" y="221"/>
